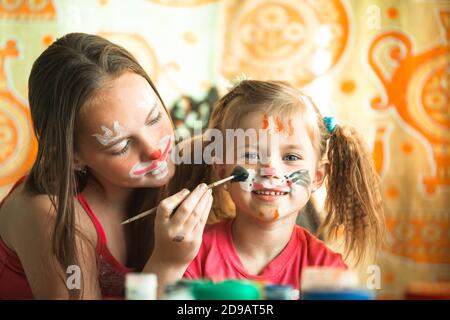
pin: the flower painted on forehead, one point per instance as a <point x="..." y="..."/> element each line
<point x="108" y="136"/>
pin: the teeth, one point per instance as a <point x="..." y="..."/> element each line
<point x="270" y="193"/>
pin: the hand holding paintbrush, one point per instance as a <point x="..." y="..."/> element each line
<point x="238" y="174"/>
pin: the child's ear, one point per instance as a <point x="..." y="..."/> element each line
<point x="320" y="174"/>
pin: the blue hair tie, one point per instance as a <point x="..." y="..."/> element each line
<point x="330" y="124"/>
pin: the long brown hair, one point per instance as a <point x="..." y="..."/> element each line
<point x="63" y="79"/>
<point x="353" y="196"/>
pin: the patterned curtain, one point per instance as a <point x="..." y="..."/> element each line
<point x="382" y="66"/>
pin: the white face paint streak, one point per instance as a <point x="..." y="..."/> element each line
<point x="157" y="168"/>
<point x="108" y="136"/>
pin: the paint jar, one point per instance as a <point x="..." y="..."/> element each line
<point x="324" y="283"/>
<point x="178" y="291"/>
<point x="141" y="286"/>
<point x="227" y="290"/>
<point x="280" y="292"/>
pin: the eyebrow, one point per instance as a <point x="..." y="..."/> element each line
<point x="120" y="139"/>
<point x="287" y="146"/>
<point x="292" y="146"/>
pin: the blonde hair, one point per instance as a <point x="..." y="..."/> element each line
<point x="353" y="195"/>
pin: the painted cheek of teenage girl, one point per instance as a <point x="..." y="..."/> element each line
<point x="134" y="161"/>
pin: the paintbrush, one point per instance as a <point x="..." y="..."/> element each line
<point x="239" y="174"/>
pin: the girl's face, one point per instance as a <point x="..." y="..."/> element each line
<point x="125" y="136"/>
<point x="282" y="166"/>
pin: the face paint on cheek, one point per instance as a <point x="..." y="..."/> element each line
<point x="108" y="136"/>
<point x="158" y="168"/>
<point x="276" y="214"/>
<point x="247" y="185"/>
<point x="298" y="180"/>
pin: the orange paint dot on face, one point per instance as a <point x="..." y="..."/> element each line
<point x="276" y="214"/>
<point x="261" y="214"/>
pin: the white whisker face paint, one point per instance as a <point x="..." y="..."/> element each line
<point x="295" y="181"/>
<point x="299" y="180"/>
<point x="108" y="135"/>
<point x="158" y="168"/>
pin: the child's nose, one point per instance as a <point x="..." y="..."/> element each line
<point x="268" y="171"/>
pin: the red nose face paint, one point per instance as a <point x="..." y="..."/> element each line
<point x="155" y="154"/>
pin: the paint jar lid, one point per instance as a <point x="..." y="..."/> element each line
<point x="227" y="290"/>
<point x="140" y="286"/>
<point x="280" y="292"/>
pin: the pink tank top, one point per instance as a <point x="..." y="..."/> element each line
<point x="13" y="281"/>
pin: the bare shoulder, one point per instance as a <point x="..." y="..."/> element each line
<point x="25" y="216"/>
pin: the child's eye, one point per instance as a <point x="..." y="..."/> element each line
<point x="123" y="150"/>
<point x="251" y="156"/>
<point x="155" y="120"/>
<point x="291" y="157"/>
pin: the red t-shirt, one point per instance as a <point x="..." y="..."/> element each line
<point x="218" y="259"/>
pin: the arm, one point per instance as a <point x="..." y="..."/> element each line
<point x="32" y="242"/>
<point x="171" y="258"/>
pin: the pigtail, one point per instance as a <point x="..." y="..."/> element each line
<point x="354" y="200"/>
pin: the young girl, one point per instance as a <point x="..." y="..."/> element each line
<point x="286" y="164"/>
<point x="104" y="143"/>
